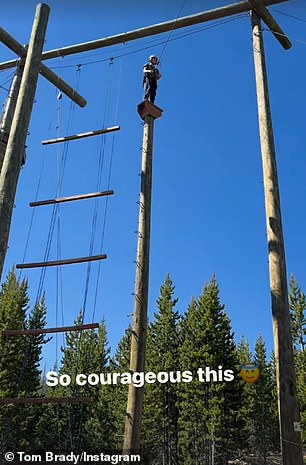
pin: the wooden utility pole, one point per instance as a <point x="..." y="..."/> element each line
<point x="18" y="134"/>
<point x="8" y="113"/>
<point x="285" y="371"/>
<point x="148" y="113"/>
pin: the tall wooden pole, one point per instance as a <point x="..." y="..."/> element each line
<point x="18" y="134"/>
<point x="140" y="317"/>
<point x="8" y="113"/>
<point x="285" y="372"/>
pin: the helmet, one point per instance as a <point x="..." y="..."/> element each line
<point x="152" y="56"/>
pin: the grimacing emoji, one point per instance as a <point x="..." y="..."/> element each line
<point x="249" y="372"/>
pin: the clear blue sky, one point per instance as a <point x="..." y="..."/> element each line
<point x="208" y="206"/>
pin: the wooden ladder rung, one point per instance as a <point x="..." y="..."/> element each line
<point x="68" y="261"/>
<point x="71" y="198"/>
<point x="46" y="400"/>
<point x="80" y="136"/>
<point x="63" y="329"/>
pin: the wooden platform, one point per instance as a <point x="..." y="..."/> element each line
<point x="147" y="108"/>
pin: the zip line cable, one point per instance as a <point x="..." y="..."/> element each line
<point x="289" y="16"/>
<point x="299" y="41"/>
<point x="170" y="33"/>
<point x="242" y="15"/>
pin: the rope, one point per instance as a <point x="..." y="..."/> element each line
<point x="170" y="33"/>
<point x="283" y="35"/>
<point x="91" y="248"/>
<point x="34" y="209"/>
<point x="242" y="15"/>
<point x="108" y="186"/>
<point x="298" y="444"/>
<point x="60" y="180"/>
<point x="289" y="16"/>
<point x="98" y="186"/>
<point x="97" y="203"/>
<point x="9" y="79"/>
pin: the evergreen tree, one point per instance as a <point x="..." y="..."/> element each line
<point x="210" y="419"/>
<point x="160" y="417"/>
<point x="13" y="307"/>
<point x="33" y="349"/>
<point x="245" y="357"/>
<point x="81" y="427"/>
<point x="243" y="351"/>
<point x="121" y="364"/>
<point x="19" y="364"/>
<point x="297" y="301"/>
<point x="264" y="407"/>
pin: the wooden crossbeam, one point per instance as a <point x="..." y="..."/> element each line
<point x="68" y="261"/>
<point x="266" y="16"/>
<point x="17" y="48"/>
<point x="71" y="198"/>
<point x="185" y="21"/>
<point x="62" y="329"/>
<point x="81" y="135"/>
<point x="47" y="400"/>
<point x="125" y="37"/>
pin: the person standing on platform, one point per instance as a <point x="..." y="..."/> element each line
<point x="151" y="75"/>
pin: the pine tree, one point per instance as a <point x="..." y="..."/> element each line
<point x="297" y="300"/>
<point x="13" y="307"/>
<point x="264" y="408"/>
<point x="121" y="364"/>
<point x="245" y="357"/>
<point x="243" y="350"/>
<point x="100" y="424"/>
<point x="160" y="417"/>
<point x="81" y="427"/>
<point x="210" y="420"/>
<point x="33" y="349"/>
<point x="19" y="364"/>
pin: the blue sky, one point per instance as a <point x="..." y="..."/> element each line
<point x="208" y="206"/>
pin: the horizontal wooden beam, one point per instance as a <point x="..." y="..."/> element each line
<point x="266" y="16"/>
<point x="12" y="43"/>
<point x="47" y="400"/>
<point x="62" y="329"/>
<point x="81" y="135"/>
<point x="205" y="16"/>
<point x="68" y="261"/>
<point x="17" y="48"/>
<point x="71" y="198"/>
